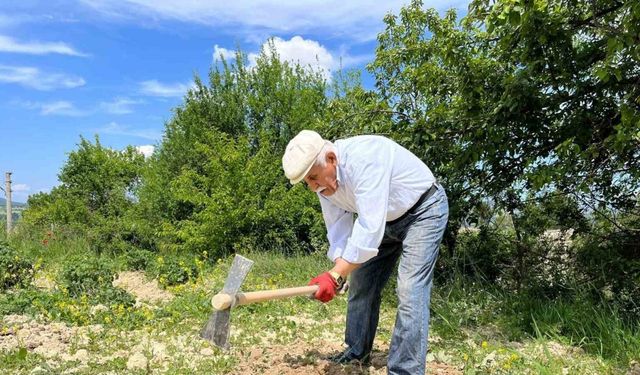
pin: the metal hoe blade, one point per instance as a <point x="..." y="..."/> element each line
<point x="217" y="328"/>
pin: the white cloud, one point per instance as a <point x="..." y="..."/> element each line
<point x="303" y="52"/>
<point x="146" y="150"/>
<point x="119" y="106"/>
<point x="34" y="78"/>
<point x="20" y="188"/>
<point x="59" y="107"/>
<point x="306" y="53"/>
<point x="62" y="108"/>
<point x="117" y="129"/>
<point x="8" y="44"/>
<point x="358" y="20"/>
<point x="227" y="54"/>
<point x="155" y="88"/>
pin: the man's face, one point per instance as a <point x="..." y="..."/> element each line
<point x="323" y="179"/>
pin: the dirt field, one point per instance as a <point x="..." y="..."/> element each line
<point x="264" y="348"/>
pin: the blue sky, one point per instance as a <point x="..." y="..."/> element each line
<point x="116" y="68"/>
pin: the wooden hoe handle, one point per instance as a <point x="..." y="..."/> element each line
<point x="223" y="301"/>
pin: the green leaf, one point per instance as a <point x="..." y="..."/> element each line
<point x="514" y="18"/>
<point x="612" y="46"/>
<point x="602" y="73"/>
<point x="618" y="74"/>
<point x="22" y="354"/>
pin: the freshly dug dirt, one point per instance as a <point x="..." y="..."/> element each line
<point x="136" y="284"/>
<point x="49" y="340"/>
<point x="302" y="358"/>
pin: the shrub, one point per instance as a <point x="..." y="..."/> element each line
<point x="174" y="271"/>
<point x="485" y="254"/>
<point x="93" y="279"/>
<point x="138" y="259"/>
<point x="611" y="263"/>
<point x="83" y="276"/>
<point x="113" y="296"/>
<point x="14" y="269"/>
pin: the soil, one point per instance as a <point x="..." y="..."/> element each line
<point x="58" y="342"/>
<point x="49" y="340"/>
<point x="135" y="283"/>
<point x="302" y="358"/>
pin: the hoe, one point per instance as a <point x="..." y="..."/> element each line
<point x="217" y="328"/>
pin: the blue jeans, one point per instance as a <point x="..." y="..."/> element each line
<point x="415" y="241"/>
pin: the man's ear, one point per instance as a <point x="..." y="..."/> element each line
<point x="331" y="158"/>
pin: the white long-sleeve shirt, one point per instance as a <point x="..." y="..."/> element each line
<point x="378" y="180"/>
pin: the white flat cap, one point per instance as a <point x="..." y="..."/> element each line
<point x="301" y="154"/>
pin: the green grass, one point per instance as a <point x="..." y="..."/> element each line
<point x="596" y="329"/>
<point x="468" y="310"/>
<point x="475" y="327"/>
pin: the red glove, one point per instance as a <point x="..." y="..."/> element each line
<point x="327" y="286"/>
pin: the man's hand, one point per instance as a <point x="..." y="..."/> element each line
<point x="327" y="287"/>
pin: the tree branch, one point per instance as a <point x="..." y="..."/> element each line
<point x="604" y="12"/>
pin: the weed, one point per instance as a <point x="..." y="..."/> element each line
<point x="15" y="270"/>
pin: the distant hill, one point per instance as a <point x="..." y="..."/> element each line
<point x="3" y="202"/>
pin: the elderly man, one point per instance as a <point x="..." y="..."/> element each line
<point x="401" y="213"/>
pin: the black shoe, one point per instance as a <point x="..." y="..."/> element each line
<point x="348" y="357"/>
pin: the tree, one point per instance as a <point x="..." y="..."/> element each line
<point x="96" y="192"/>
<point x="94" y="181"/>
<point x="520" y="97"/>
<point x="216" y="184"/>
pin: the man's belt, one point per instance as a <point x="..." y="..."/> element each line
<point x="426" y="195"/>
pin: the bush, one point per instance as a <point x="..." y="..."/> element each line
<point x="112" y="296"/>
<point x="484" y="254"/>
<point x="138" y="259"/>
<point x="174" y="271"/>
<point x="20" y="302"/>
<point x="14" y="269"/>
<point x="93" y="279"/>
<point x="83" y="276"/>
<point x="611" y="263"/>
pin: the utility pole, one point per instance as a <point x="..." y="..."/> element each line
<point x="7" y="192"/>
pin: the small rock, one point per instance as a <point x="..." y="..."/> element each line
<point x="634" y="368"/>
<point x="75" y="370"/>
<point x="206" y="352"/>
<point x="82" y="355"/>
<point x="433" y="339"/>
<point x="159" y="350"/>
<point x="33" y="344"/>
<point x="16" y="319"/>
<point x="489" y="359"/>
<point x="137" y="361"/>
<point x="378" y="361"/>
<point x="44" y="282"/>
<point x="38" y="370"/>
